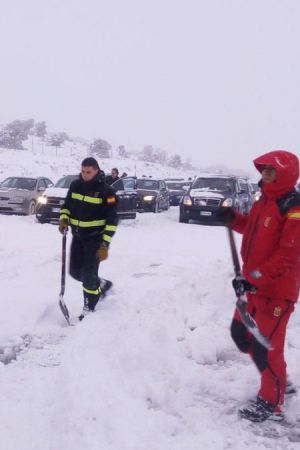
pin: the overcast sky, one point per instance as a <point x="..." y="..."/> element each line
<point x="214" y="80"/>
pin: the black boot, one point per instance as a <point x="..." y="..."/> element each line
<point x="290" y="388"/>
<point x="259" y="410"/>
<point x="105" y="285"/>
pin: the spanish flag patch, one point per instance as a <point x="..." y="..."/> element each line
<point x="293" y="215"/>
<point x="112" y="200"/>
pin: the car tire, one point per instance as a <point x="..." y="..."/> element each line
<point x="31" y="208"/>
<point x="183" y="219"/>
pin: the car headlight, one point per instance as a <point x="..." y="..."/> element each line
<point x="42" y="200"/>
<point x="187" y="200"/>
<point x="227" y="202"/>
<point x="148" y="198"/>
<point x="17" y="199"/>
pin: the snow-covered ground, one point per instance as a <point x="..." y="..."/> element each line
<point x="154" y="368"/>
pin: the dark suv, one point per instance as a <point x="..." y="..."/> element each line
<point x="209" y="192"/>
<point x="153" y="195"/>
<point x="177" y="189"/>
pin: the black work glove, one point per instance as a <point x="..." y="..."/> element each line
<point x="241" y="286"/>
<point x="225" y="214"/>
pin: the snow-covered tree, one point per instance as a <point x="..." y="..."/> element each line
<point x="175" y="161"/>
<point x="40" y="129"/>
<point x="14" y="133"/>
<point x="101" y="148"/>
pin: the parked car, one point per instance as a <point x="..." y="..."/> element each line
<point x="177" y="189"/>
<point x="18" y="195"/>
<point x="49" y="204"/>
<point x="210" y="192"/>
<point x="126" y="192"/>
<point x="153" y="195"/>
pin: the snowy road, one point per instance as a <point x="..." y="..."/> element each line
<point x="153" y="369"/>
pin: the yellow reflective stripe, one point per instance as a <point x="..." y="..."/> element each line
<point x="87" y="198"/>
<point x="110" y="228"/>
<point x="89" y="291"/>
<point x="106" y="238"/>
<point x="64" y="216"/>
<point x="95" y="200"/>
<point x="293" y="215"/>
<point x="64" y="211"/>
<point x="77" y="196"/>
<point x="83" y="224"/>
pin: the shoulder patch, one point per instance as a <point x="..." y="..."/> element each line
<point x="288" y="201"/>
<point x="111" y="199"/>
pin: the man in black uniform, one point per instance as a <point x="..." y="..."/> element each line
<point x="90" y="210"/>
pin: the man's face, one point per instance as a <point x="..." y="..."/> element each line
<point x="114" y="174"/>
<point x="268" y="174"/>
<point x="88" y="172"/>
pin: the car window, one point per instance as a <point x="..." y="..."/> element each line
<point x="41" y="183"/>
<point x="176" y="186"/>
<point x="124" y="184"/>
<point x="152" y="185"/>
<point x="243" y="186"/>
<point x="20" y="183"/>
<point x="129" y="184"/>
<point x="214" y="184"/>
<point x="65" y="182"/>
<point x="48" y="182"/>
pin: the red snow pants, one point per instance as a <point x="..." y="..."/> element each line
<point x="271" y="316"/>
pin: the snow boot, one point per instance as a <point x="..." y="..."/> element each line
<point x="84" y="312"/>
<point x="105" y="285"/>
<point x="290" y="388"/>
<point x="259" y="410"/>
<point x="89" y="306"/>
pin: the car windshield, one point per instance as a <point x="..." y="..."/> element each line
<point x="65" y="182"/>
<point x="19" y="183"/>
<point x="176" y="186"/>
<point x="150" y="185"/>
<point x="213" y="184"/>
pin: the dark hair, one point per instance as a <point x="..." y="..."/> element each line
<point x="90" y="162"/>
<point x="115" y="169"/>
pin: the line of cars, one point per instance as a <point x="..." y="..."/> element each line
<point x="198" y="200"/>
<point x="134" y="195"/>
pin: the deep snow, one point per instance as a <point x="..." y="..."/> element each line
<point x="153" y="369"/>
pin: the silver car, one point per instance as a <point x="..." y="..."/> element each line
<point x="18" y="195"/>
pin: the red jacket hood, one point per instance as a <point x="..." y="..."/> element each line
<point x="287" y="171"/>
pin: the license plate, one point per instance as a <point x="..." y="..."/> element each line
<point x="205" y="213"/>
<point x="55" y="210"/>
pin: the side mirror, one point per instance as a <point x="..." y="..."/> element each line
<point x="41" y="189"/>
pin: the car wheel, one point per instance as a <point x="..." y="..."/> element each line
<point x="31" y="208"/>
<point x="183" y="219"/>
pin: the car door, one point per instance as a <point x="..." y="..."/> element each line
<point x="244" y="196"/>
<point x="125" y="189"/>
<point x="165" y="194"/>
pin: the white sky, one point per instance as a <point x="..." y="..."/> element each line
<point x="214" y="80"/>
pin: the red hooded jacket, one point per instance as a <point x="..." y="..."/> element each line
<point x="271" y="231"/>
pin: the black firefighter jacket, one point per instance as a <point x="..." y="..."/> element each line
<point x="90" y="209"/>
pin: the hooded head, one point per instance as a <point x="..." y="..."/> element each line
<point x="286" y="165"/>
